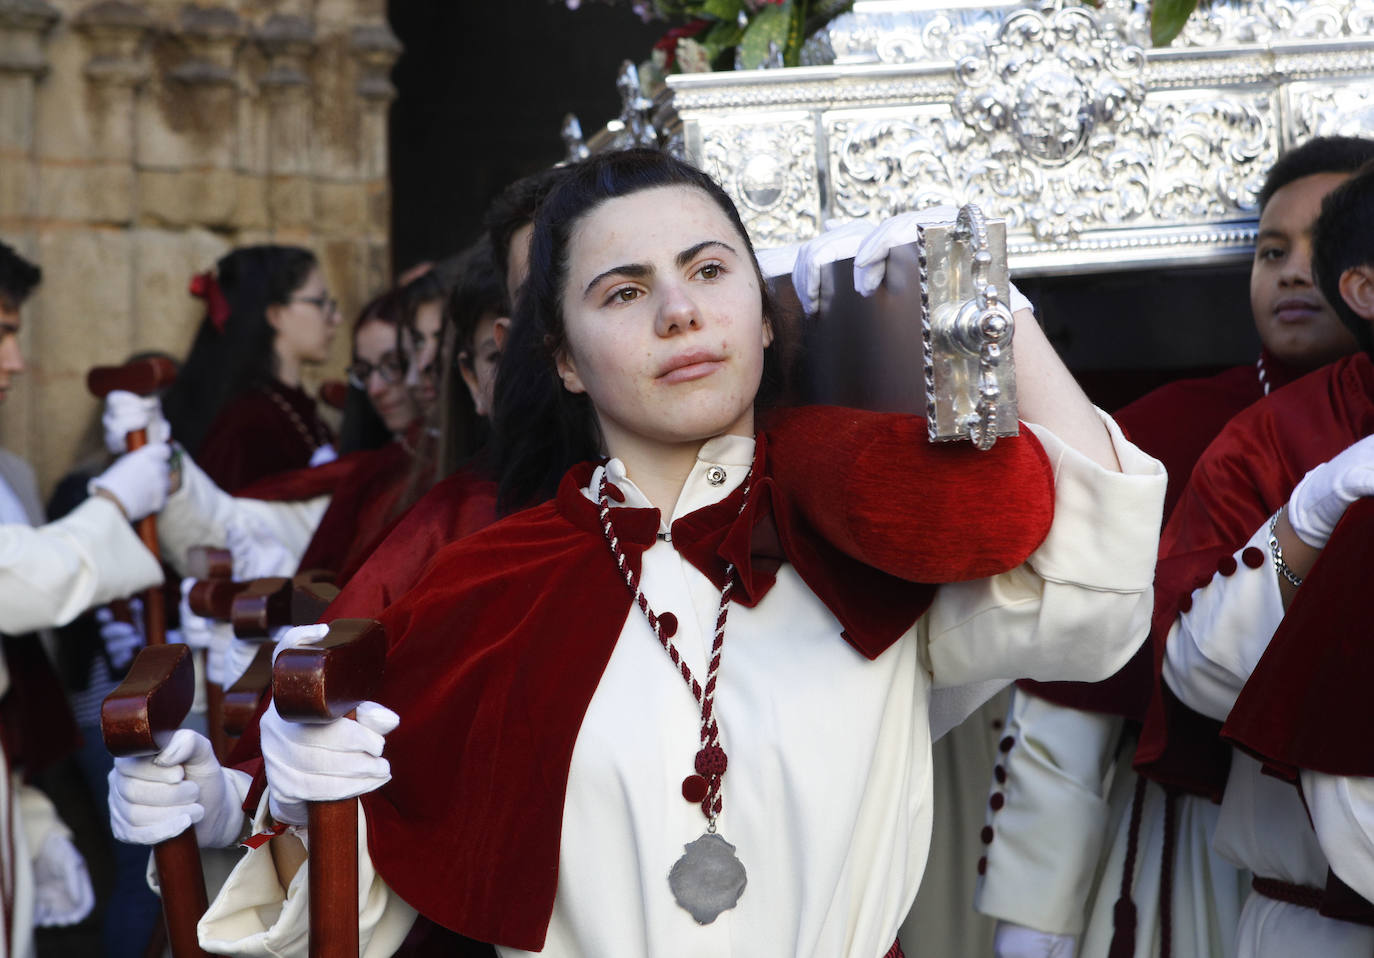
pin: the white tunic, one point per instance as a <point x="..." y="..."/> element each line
<point x="48" y="576"/>
<point x="1212" y="649"/>
<point x="828" y="792"/>
<point x="199" y="513"/>
<point x="51" y="574"/>
<point x="1057" y="847"/>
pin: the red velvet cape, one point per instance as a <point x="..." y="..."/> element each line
<point x="456" y="506"/>
<point x="252" y="438"/>
<point x="1173" y="423"/>
<point x="1242" y="479"/>
<point x="1306" y="705"/>
<point x="868" y="512"/>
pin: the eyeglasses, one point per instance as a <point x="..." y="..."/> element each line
<point x="324" y="302"/>
<point x="391" y="368"/>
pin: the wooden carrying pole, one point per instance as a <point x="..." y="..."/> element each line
<point x="210" y="597"/>
<point x="138" y="718"/>
<point x="143" y="377"/>
<point x="320" y="683"/>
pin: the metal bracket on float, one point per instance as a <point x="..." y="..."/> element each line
<point x="966" y="330"/>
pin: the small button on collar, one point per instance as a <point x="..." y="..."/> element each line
<point x="715" y="475"/>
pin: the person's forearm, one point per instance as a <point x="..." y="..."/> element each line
<point x="1048" y="395"/>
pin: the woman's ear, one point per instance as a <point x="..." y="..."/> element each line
<point x="767" y="332"/>
<point x="274" y="314"/>
<point x="567" y="371"/>
<point x="500" y="332"/>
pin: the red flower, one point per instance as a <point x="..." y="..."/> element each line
<point x="668" y="42"/>
<point x="205" y="286"/>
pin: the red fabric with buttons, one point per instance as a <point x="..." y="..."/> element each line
<point x="1306" y="705"/>
<point x="1173" y="423"/>
<point x="1242" y="479"/>
<point x="862" y="505"/>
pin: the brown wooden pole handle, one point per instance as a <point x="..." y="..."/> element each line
<point x="333" y="875"/>
<point x="154" y="607"/>
<point x="178" y="867"/>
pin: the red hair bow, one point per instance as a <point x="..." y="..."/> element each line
<point x="205" y="286"/>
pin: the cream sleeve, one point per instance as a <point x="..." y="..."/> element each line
<point x="51" y="574"/>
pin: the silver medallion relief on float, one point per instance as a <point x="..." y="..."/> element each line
<point x="708" y="879"/>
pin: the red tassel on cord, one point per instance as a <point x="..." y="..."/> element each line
<point x="1123" y="933"/>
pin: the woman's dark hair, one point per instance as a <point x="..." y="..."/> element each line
<point x="362" y="428"/>
<point x="225" y="361"/>
<point x="539" y="428"/>
<point x="1343" y="239"/>
<point x="458" y="433"/>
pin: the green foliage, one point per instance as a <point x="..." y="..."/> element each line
<point x="1167" y="18"/>
<point x="771" y="26"/>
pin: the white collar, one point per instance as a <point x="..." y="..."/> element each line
<point x="722" y="463"/>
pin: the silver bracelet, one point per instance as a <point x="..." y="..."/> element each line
<point x="1276" y="552"/>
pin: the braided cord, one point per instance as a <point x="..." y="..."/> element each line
<point x="704" y="695"/>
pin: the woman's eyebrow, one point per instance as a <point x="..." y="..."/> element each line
<point x="632" y="270"/>
<point x="689" y="254"/>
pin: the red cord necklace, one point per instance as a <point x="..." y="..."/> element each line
<point x="709" y="878"/>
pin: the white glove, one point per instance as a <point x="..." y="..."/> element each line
<point x="1018" y="941"/>
<point x="222" y="638"/>
<point x="122" y="639"/>
<point x="154" y="798"/>
<point x="257" y="552"/>
<point x="139" y="480"/>
<point x="228" y="660"/>
<point x="126" y="412"/>
<point x="814" y="255"/>
<point x="63" y="894"/>
<point x="195" y="631"/>
<point x="1322" y="496"/>
<point x="322" y="763"/>
<point x="870" y="259"/>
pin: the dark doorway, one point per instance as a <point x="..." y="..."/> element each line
<point x="482" y="91"/>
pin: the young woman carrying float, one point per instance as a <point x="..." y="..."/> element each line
<point x="572" y="774"/>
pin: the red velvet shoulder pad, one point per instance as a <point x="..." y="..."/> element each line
<point x="874" y="486"/>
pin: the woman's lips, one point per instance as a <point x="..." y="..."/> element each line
<point x="690" y="365"/>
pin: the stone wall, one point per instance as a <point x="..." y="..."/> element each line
<point x="139" y="141"/>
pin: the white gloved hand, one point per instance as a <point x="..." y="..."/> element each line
<point x="232" y="660"/>
<point x="1018" y="941"/>
<point x="870" y="259"/>
<point x="814" y="255"/>
<point x="122" y="639"/>
<point x="139" y="480"/>
<point x="322" y="763"/>
<point x="154" y="798"/>
<point x="63" y="894"/>
<point x="217" y="669"/>
<point x="257" y="552"/>
<point x="126" y="412"/>
<point x="1322" y="496"/>
<point x="195" y="631"/>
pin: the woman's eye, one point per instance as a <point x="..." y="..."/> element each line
<point x="710" y="271"/>
<point x="1270" y="253"/>
<point x="626" y="294"/>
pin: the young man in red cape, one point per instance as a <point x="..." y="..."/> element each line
<point x="1060" y="881"/>
<point x="1260" y="637"/>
